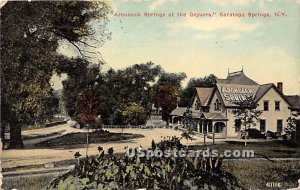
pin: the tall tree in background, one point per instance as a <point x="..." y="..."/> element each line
<point x="81" y="74"/>
<point x="188" y="91"/>
<point x="131" y="84"/>
<point x="167" y="91"/>
<point x="30" y="35"/>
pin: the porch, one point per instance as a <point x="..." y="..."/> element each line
<point x="213" y="125"/>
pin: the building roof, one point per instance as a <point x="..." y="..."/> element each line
<point x="294" y="101"/>
<point x="204" y="95"/>
<point x="235" y="92"/>
<point x="214" y="116"/>
<point x="262" y="90"/>
<point x="179" y="111"/>
<point x="237" y="86"/>
<point x="238" y="77"/>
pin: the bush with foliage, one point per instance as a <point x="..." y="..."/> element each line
<point x="109" y="171"/>
<point x="254" y="134"/>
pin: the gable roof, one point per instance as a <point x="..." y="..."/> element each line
<point x="239" y="86"/>
<point x="179" y="111"/>
<point x="204" y="95"/>
<point x="294" y="101"/>
<point x="262" y="90"/>
<point x="237" y="78"/>
<point x="236" y="92"/>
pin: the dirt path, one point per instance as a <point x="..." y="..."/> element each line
<point x="28" y="156"/>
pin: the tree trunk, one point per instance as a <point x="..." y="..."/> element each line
<point x="15" y="136"/>
<point x="3" y="134"/>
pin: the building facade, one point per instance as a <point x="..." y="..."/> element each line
<point x="213" y="107"/>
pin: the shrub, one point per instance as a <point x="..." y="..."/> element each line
<point x="271" y="134"/>
<point x="255" y="134"/>
<point x="107" y="171"/>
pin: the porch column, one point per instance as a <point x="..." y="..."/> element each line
<point x="213" y="131"/>
<point x="225" y="130"/>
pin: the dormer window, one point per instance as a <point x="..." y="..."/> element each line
<point x="218" y="105"/>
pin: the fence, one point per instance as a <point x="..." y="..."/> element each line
<point x="130" y="126"/>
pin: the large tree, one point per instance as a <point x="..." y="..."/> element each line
<point x="131" y="84"/>
<point x="166" y="92"/>
<point x="30" y="35"/>
<point x="81" y="74"/>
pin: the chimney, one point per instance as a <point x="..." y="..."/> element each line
<point x="280" y="86"/>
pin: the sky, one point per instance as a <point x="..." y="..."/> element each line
<point x="267" y="48"/>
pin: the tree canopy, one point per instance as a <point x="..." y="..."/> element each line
<point x="31" y="32"/>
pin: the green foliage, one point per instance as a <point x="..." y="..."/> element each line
<point x="168" y="143"/>
<point x="30" y="36"/>
<point x="188" y="119"/>
<point x="135" y="114"/>
<point x="113" y="172"/>
<point x="290" y="129"/>
<point x="132" y="84"/>
<point x="246" y="114"/>
<point x="81" y="75"/>
<point x="188" y="135"/>
<point x="166" y="92"/>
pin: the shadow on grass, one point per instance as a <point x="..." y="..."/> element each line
<point x="78" y="140"/>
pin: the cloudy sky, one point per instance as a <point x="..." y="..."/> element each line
<point x="267" y="48"/>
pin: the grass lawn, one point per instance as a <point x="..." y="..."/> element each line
<point x="256" y="174"/>
<point x="267" y="149"/>
<point x="252" y="175"/>
<point x="33" y="182"/>
<point x="27" y="137"/>
<point x="94" y="137"/>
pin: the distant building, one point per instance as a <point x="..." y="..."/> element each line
<point x="295" y="103"/>
<point x="177" y="115"/>
<point x="155" y="119"/>
<point x="213" y="107"/>
<point x="295" y="108"/>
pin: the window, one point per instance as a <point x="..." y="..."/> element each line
<point x="197" y="105"/>
<point x="217" y="105"/>
<point x="279" y="126"/>
<point x="266" y="105"/>
<point x="237" y="125"/>
<point x="219" y="126"/>
<point x="262" y="123"/>
<point x="277" y="105"/>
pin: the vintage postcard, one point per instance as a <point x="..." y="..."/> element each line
<point x="150" y="94"/>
